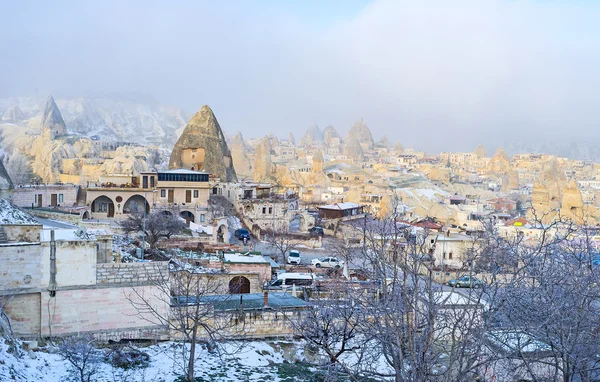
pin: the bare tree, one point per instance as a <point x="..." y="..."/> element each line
<point x="156" y="225"/>
<point x="282" y="240"/>
<point x="82" y="355"/>
<point x="191" y="316"/>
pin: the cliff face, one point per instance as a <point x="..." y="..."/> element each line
<point x="202" y="147"/>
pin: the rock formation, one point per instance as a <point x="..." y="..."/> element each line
<point x="360" y="131"/>
<point x="313" y="136"/>
<point x="384" y="142"/>
<point x="52" y="121"/>
<point x="13" y="114"/>
<point x="480" y="152"/>
<point x="572" y="203"/>
<point x="330" y="136"/>
<point x="262" y="161"/>
<point x="317" y="162"/>
<point x="500" y="164"/>
<point x="239" y="155"/>
<point x="202" y="147"/>
<point x="291" y="139"/>
<point x="353" y="150"/>
<point x="399" y="149"/>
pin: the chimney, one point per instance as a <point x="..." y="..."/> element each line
<point x="266" y="299"/>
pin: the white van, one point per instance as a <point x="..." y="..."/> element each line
<point x="289" y="279"/>
<point x="294" y="257"/>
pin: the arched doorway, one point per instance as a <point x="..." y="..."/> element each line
<point x="86" y="215"/>
<point x="135" y="202"/>
<point x="239" y="285"/>
<point x="103" y="207"/>
<point x="188" y="216"/>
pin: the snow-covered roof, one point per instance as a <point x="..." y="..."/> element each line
<point x="244" y="258"/>
<point x="182" y="171"/>
<point x="11" y="215"/>
<point x="340" y="206"/>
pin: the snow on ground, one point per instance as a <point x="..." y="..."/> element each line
<point x="244" y="361"/>
<point x="9" y="214"/>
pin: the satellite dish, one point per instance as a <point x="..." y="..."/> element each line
<point x="81" y="232"/>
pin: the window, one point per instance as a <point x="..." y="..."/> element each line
<point x="264" y="210"/>
<point x="60" y="198"/>
<point x="163" y="193"/>
<point x="270" y="210"/>
<point x="195" y="194"/>
<point x="450" y="256"/>
<point x="152" y="182"/>
<point x="202" y="218"/>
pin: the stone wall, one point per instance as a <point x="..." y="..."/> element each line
<point x="75" y="263"/>
<point x="265" y="323"/>
<point x="131" y="273"/>
<point x="20" y="267"/>
<point x="26" y="196"/>
<point x="71" y="218"/>
<point x="24" y="311"/>
<point x="22" y="233"/>
<point x="98" y="309"/>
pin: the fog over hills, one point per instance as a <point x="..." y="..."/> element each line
<point x="110" y="117"/>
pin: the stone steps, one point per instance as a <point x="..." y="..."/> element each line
<point x="3" y="238"/>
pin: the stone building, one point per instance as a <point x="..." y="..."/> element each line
<point x="55" y="283"/>
<point x="46" y="195"/>
<point x="184" y="191"/>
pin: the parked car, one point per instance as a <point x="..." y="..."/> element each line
<point x="289" y="279"/>
<point x="242" y="234"/>
<point x="294" y="257"/>
<point x="328" y="262"/>
<point x="316" y="231"/>
<point x="466" y="282"/>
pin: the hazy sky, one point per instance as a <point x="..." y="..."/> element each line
<point x="435" y="74"/>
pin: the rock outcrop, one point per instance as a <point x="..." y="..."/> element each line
<point x="353" y="150"/>
<point x="480" y="152"/>
<point x="360" y="131"/>
<point x="572" y="203"/>
<point x="383" y="142"/>
<point x="330" y="136"/>
<point x="499" y="164"/>
<point x="291" y="139"/>
<point x="202" y="147"/>
<point x="239" y="155"/>
<point x="399" y="149"/>
<point x="53" y="124"/>
<point x="313" y="136"/>
<point x="262" y="161"/>
<point x="13" y="114"/>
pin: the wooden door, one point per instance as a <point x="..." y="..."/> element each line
<point x="171" y="197"/>
<point x="53" y="200"/>
<point x="111" y="210"/>
<point x="188" y="196"/>
<point x="39" y="200"/>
